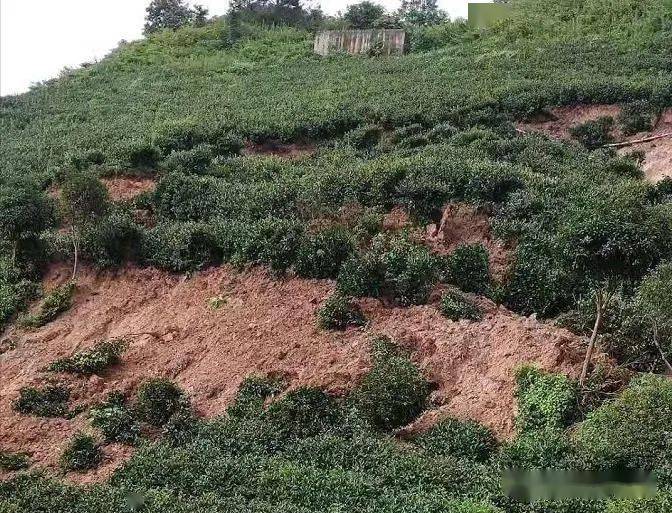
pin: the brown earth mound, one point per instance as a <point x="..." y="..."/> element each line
<point x="658" y="154"/>
<point x="465" y="224"/>
<point x="262" y="326"/>
<point x="124" y="188"/>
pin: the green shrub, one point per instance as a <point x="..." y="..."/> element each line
<point x="410" y="272"/>
<point x="50" y="401"/>
<point x="304" y="413"/>
<point x="59" y="300"/>
<point x="181" y="247"/>
<point x="321" y="255"/>
<point x="363" y="138"/>
<point x="252" y="395"/>
<point x="143" y="156"/>
<point x="194" y="161"/>
<point x="394" y="392"/>
<point x="85" y="160"/>
<point x="456" y="306"/>
<point x="180" y="197"/>
<point x="594" y="134"/>
<point x="362" y="275"/>
<point x="82" y="453"/>
<point x="462" y="439"/>
<point x="545" y="401"/>
<point x="92" y="361"/>
<point x="11" y="462"/>
<point x="339" y="312"/>
<point x="636" y="117"/>
<point x="116" y="421"/>
<point x="633" y="431"/>
<point x="397" y="268"/>
<point x="14" y="297"/>
<point x="182" y="427"/>
<point x="547" y="447"/>
<point x="468" y="268"/>
<point x="113" y="240"/>
<point x="158" y="399"/>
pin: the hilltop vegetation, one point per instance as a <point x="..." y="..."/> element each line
<point x="186" y="108"/>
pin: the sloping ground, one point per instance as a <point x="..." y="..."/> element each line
<point x="125" y="187"/>
<point x="264" y="326"/>
<point x="657" y="164"/>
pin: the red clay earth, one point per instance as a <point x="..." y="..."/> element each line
<point x="264" y="326"/>
<point x="658" y="154"/>
<point x="125" y="188"/>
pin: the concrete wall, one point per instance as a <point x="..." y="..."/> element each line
<point x="388" y="42"/>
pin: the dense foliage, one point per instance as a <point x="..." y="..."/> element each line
<point x="181" y="106"/>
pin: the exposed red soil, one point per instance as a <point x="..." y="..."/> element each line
<point x="466" y="224"/>
<point x="658" y="154"/>
<point x="265" y="326"/>
<point x="125" y="188"/>
<point x="279" y="149"/>
<point x="460" y="224"/>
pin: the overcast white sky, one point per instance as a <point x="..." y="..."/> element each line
<point x="38" y="38"/>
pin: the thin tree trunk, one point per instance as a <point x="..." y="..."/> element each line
<point x="600" y="306"/>
<point x="660" y="348"/>
<point x="74" y="244"/>
<point x="14" y="251"/>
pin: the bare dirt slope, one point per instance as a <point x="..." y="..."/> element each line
<point x="657" y="164"/>
<point x="264" y="326"/>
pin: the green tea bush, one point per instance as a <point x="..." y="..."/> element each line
<point x="468" y="268"/>
<point x="11" y="462"/>
<point x="143" y="156"/>
<point x="82" y="454"/>
<point x="116" y="420"/>
<point x="410" y="271"/>
<point x="338" y="313"/>
<point x="544" y="400"/>
<point x="194" y="161"/>
<point x="14" y="297"/>
<point x="112" y="241"/>
<point x="461" y="439"/>
<point x="59" y="300"/>
<point x="304" y="413"/>
<point x="594" y="134"/>
<point x="394" y="392"/>
<point x="363" y="138"/>
<point x="636" y="117"/>
<point x="50" y="401"/>
<point x="321" y="255"/>
<point x="252" y="394"/>
<point x="158" y="399"/>
<point x="83" y="161"/>
<point x="180" y="247"/>
<point x="181" y="428"/>
<point x="92" y="361"/>
<point x="456" y="306"/>
<point x="181" y="197"/>
<point x="547" y="447"/>
<point x="271" y="241"/>
<point x="398" y="268"/>
<point x="633" y="431"/>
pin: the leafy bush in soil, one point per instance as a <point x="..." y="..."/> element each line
<point x="461" y="439"/>
<point x="50" y="401"/>
<point x="116" y="420"/>
<point x="82" y="453"/>
<point x="339" y="312"/>
<point x="456" y="306"/>
<point x="55" y="303"/>
<point x="594" y="134"/>
<point x="158" y="399"/>
<point x="92" y="361"/>
<point x="394" y="393"/>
